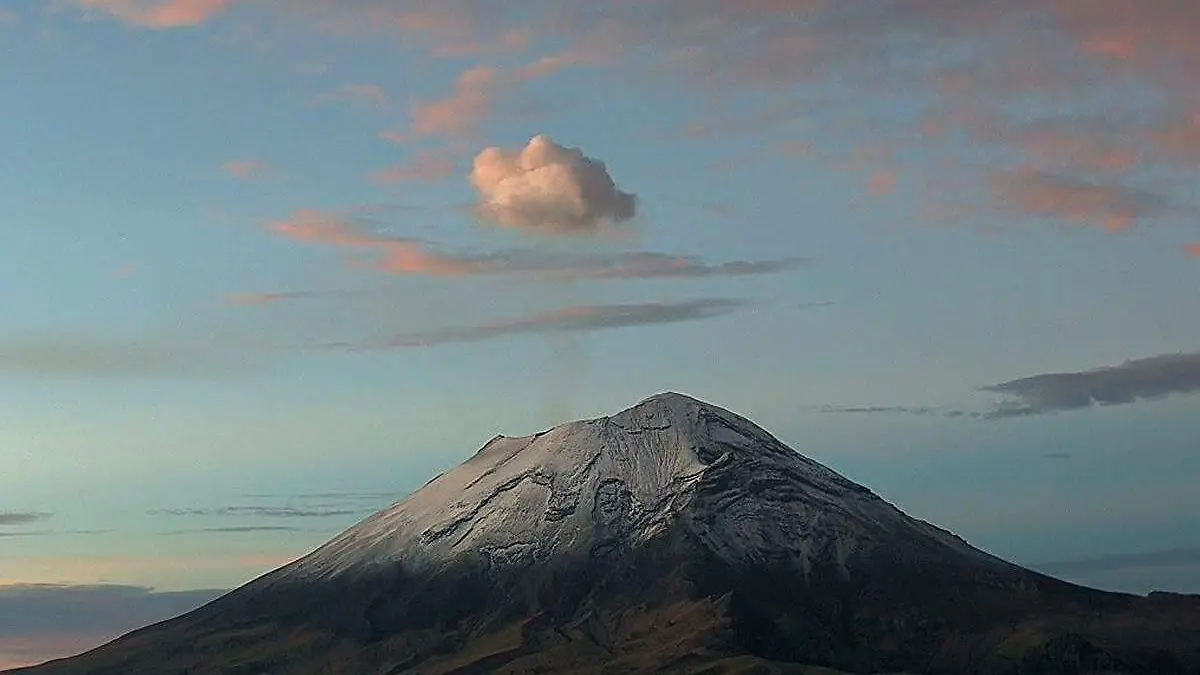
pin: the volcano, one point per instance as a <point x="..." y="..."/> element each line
<point x="672" y="537"/>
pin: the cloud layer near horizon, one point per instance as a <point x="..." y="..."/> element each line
<point x="1136" y="380"/>
<point x="96" y="356"/>
<point x="1112" y="563"/>
<point x="1132" y="381"/>
<point x="40" y="622"/>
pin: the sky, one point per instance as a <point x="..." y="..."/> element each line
<point x="268" y="267"/>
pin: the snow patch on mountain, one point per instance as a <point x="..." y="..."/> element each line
<point x="623" y="480"/>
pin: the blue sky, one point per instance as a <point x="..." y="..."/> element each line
<point x="261" y="276"/>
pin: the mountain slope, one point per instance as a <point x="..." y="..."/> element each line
<point x="629" y="478"/>
<point x="672" y="537"/>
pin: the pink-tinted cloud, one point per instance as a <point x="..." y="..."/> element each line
<point x="877" y="164"/>
<point x="707" y="41"/>
<point x="247" y="299"/>
<point x="321" y="227"/>
<point x="460" y="114"/>
<point x="1078" y="144"/>
<point x="1046" y="195"/>
<point x="977" y="58"/>
<point x="1178" y="139"/>
<point x="411" y="259"/>
<point x="160" y="14"/>
<point x="268" y="298"/>
<point x="407" y="257"/>
<point x="881" y="183"/>
<point x="592" y="50"/>
<point x="426" y="167"/>
<point x="474" y="96"/>
<point x="1078" y="53"/>
<point x="1086" y="159"/>
<point x="1156" y="37"/>
<point x="392" y="255"/>
<point x="547" y="66"/>
<point x="7" y="17"/>
<point x="792" y="39"/>
<point x="514" y="40"/>
<point x="1193" y="250"/>
<point x="548" y="188"/>
<point x="477" y="92"/>
<point x="248" y="169"/>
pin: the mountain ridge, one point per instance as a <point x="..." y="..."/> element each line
<point x="663" y="446"/>
<point x="674" y="536"/>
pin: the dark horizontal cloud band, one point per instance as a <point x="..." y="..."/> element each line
<point x="11" y="518"/>
<point x="1135" y="380"/>
<point x="582" y="318"/>
<point x="259" y="512"/>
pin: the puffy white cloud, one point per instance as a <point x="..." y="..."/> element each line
<point x="549" y="188"/>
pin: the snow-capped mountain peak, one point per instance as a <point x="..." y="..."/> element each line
<point x="670" y="461"/>
<point x="672" y="537"/>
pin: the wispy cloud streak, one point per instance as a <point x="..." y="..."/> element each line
<point x="584" y="318"/>
<point x="235" y="529"/>
<point x="159" y="14"/>
<point x="94" y="356"/>
<point x="248" y="169"/>
<point x="259" y="512"/>
<point x="1074" y="200"/>
<point x="425" y="167"/>
<point x="265" y="298"/>
<point x="9" y="518"/>
<point x="409" y="257"/>
<point x="922" y="411"/>
<point x="1115" y="563"/>
<point x="367" y="93"/>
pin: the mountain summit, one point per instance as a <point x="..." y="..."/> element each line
<point x="603" y="486"/>
<point x="672" y="537"/>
